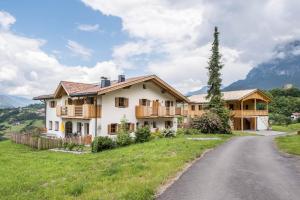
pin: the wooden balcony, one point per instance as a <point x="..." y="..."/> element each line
<point x="85" y="111"/>
<point x="154" y="112"/>
<point x="245" y="113"/>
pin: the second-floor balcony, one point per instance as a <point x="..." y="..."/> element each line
<point x="245" y="113"/>
<point x="85" y="111"/>
<point x="158" y="111"/>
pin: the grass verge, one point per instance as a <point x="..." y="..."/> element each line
<point x="289" y="128"/>
<point x="289" y="144"/>
<point x="133" y="172"/>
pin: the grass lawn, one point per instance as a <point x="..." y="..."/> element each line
<point x="132" y="172"/>
<point x="289" y="128"/>
<point x="289" y="144"/>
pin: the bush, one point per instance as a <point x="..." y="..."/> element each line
<point x="191" y="131"/>
<point x="71" y="146"/>
<point x="156" y="135"/>
<point x="208" y="123"/>
<point x="142" y="134"/>
<point x="123" y="139"/>
<point x="102" y="143"/>
<point x="180" y="131"/>
<point x="168" y="133"/>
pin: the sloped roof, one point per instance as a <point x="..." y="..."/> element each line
<point x="83" y="89"/>
<point x="227" y="96"/>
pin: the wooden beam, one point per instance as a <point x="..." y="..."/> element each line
<point x="242" y="118"/>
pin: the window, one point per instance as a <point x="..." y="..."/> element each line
<point x="144" y="86"/>
<point x="146" y="123"/>
<point x="199" y="107"/>
<point x="231" y="106"/>
<point x="90" y="100"/>
<point x="169" y="103"/>
<point x="144" y="102"/>
<point x="87" y="128"/>
<point x="247" y="107"/>
<point x="70" y="101"/>
<point x="52" y="104"/>
<point x="154" y="125"/>
<point x="50" y="125"/>
<point x="112" y="128"/>
<point x="121" y="102"/>
<point x="79" y="127"/>
<point x="193" y="107"/>
<point x="168" y="124"/>
<point x="56" y="125"/>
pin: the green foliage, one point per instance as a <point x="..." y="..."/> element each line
<point x="142" y="134"/>
<point x="284" y="103"/>
<point x="101" y="143"/>
<point x="209" y="122"/>
<point x="216" y="103"/>
<point x="289" y="144"/>
<point x="191" y="131"/>
<point x="156" y="135"/>
<point x="123" y="137"/>
<point x="168" y="133"/>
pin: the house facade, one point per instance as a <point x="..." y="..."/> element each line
<point x="97" y="109"/>
<point x="248" y="108"/>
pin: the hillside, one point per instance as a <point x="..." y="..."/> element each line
<point x="21" y="119"/>
<point x="283" y="68"/>
<point x="10" y="101"/>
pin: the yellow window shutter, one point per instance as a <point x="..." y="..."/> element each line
<point x="126" y="102"/>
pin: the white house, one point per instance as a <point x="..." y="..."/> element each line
<point x="295" y="116"/>
<point x="97" y="109"/>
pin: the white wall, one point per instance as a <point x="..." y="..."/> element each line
<point x="262" y="123"/>
<point x="112" y="114"/>
<point x="51" y="116"/>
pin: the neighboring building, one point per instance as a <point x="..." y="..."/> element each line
<point x="248" y="108"/>
<point x="295" y="116"/>
<point x="97" y="109"/>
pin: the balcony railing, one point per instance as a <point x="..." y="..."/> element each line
<point x="148" y="111"/>
<point x="78" y="111"/>
<point x="239" y="113"/>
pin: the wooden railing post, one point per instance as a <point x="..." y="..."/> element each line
<point x="39" y="144"/>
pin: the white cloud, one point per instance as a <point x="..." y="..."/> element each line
<point x="88" y="27"/>
<point x="79" y="50"/>
<point x="182" y="32"/>
<point x="27" y="70"/>
<point x="6" y="20"/>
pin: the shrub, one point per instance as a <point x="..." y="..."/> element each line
<point x="180" y="131"/>
<point x="168" y="133"/>
<point x="102" y="143"/>
<point x="191" y="131"/>
<point x="208" y="123"/>
<point x="156" y="135"/>
<point x="71" y="146"/>
<point x="123" y="137"/>
<point x="142" y="134"/>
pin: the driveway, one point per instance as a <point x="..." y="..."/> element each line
<point x="247" y="168"/>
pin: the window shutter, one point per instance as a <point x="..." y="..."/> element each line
<point x="117" y="101"/>
<point x="132" y="127"/>
<point x="109" y="129"/>
<point x="126" y="102"/>
<point x="118" y="128"/>
<point x="141" y="102"/>
<point x="148" y="102"/>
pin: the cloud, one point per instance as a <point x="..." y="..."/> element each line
<point x="181" y="31"/>
<point x="79" y="50"/>
<point x="88" y="27"/>
<point x="26" y="70"/>
<point x="6" y="20"/>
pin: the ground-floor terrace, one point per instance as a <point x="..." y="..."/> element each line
<point x="250" y="123"/>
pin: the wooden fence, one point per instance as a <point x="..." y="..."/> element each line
<point x="42" y="143"/>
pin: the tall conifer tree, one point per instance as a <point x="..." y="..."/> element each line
<point x="216" y="103"/>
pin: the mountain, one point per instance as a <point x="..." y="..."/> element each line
<point x="10" y="101"/>
<point x="283" y="68"/>
<point x="202" y="90"/>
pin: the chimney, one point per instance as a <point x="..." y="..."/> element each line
<point x="121" y="78"/>
<point x="104" y="82"/>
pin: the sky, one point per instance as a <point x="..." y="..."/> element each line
<point x="44" y="42"/>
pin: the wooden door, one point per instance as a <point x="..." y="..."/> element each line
<point x="155" y="105"/>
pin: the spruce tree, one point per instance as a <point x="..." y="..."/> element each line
<point x="216" y="103"/>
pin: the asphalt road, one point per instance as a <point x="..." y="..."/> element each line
<point x="247" y="168"/>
